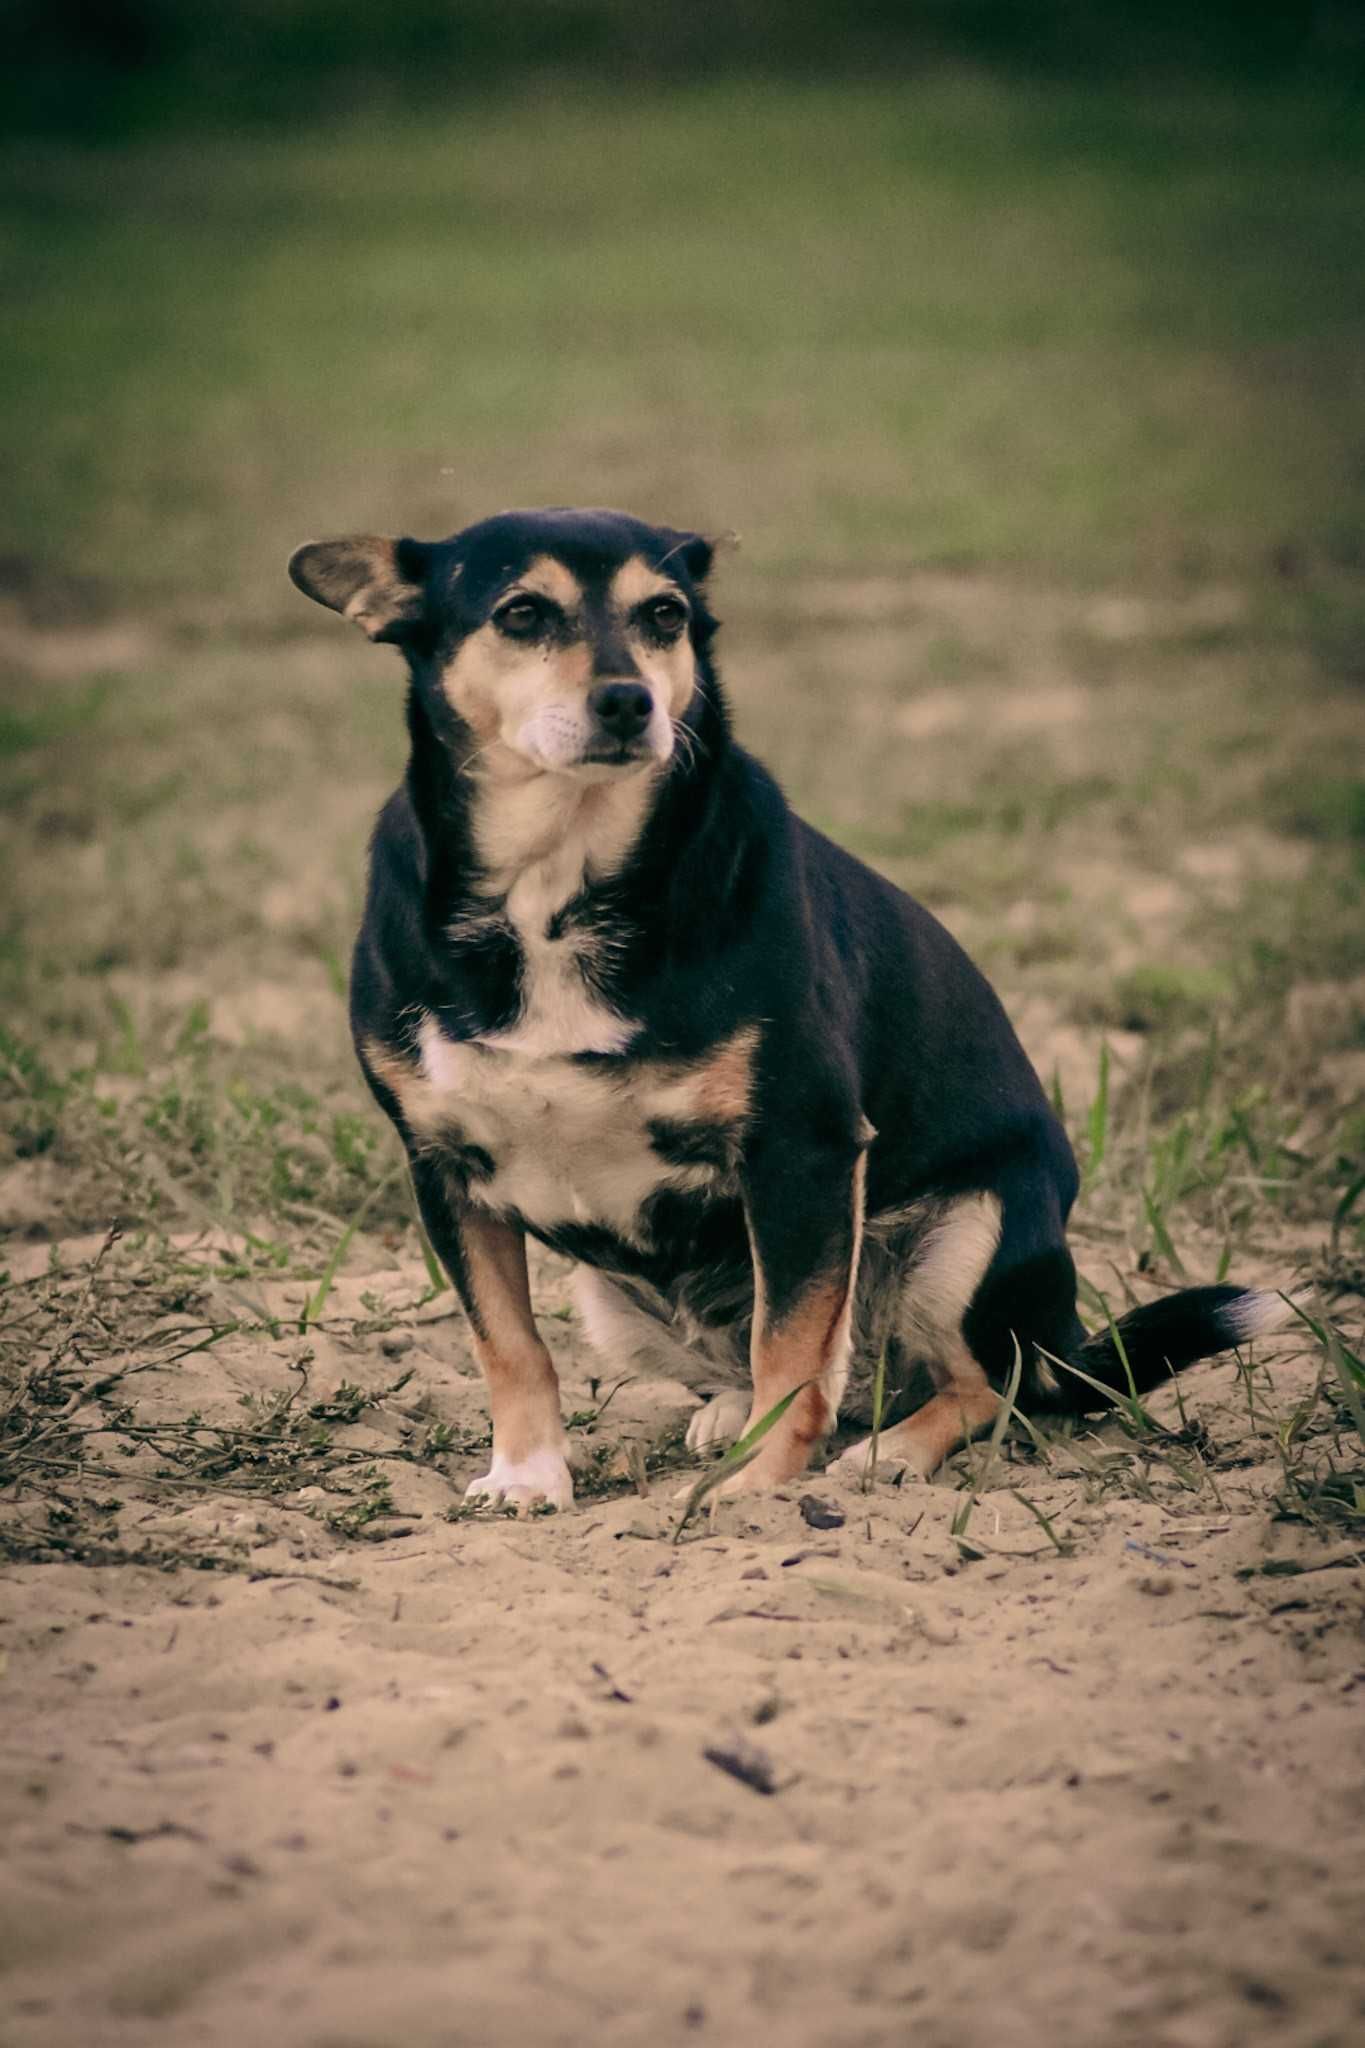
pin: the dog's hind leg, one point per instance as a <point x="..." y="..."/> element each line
<point x="629" y="1335"/>
<point x="947" y="1269"/>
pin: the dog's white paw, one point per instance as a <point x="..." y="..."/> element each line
<point x="718" y="1421"/>
<point x="543" y="1478"/>
<point x="853" y="1463"/>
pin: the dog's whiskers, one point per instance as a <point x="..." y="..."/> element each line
<point x="691" y="746"/>
<point x="468" y="762"/>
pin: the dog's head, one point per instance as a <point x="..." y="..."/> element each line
<point x="566" y="641"/>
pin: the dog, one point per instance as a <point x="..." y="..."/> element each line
<point x="616" y="995"/>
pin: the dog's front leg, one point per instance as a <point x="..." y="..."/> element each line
<point x="805" y="1217"/>
<point x="486" y="1259"/>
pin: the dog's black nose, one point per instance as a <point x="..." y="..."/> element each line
<point x="622" y="709"/>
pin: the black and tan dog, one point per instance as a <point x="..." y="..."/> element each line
<point x="613" y="993"/>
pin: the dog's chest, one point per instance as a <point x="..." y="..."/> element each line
<point x="562" y="1143"/>
<point x="560" y="1013"/>
<point x="548" y="1115"/>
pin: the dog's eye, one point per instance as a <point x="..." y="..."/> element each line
<point x="520" y="620"/>
<point x="666" y="616"/>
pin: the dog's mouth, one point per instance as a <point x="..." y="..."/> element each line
<point x="617" y="754"/>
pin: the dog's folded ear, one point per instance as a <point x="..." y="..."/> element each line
<point x="379" y="583"/>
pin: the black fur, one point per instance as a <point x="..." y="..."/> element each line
<point x="732" y="912"/>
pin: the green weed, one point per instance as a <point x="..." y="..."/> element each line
<point x="740" y="1453"/>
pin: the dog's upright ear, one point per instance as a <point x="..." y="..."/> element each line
<point x="379" y="583"/>
<point x="693" y="550"/>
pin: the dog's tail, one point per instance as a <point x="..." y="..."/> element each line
<point x="1159" y="1339"/>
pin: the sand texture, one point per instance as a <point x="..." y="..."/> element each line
<point x="444" y="1784"/>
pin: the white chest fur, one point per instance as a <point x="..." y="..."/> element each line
<point x="542" y="842"/>
<point x="570" y="1144"/>
<point x="560" y="1014"/>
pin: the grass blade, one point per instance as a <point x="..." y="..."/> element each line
<point x="1345" y="1206"/>
<point x="993" y="1442"/>
<point x="1122" y="1350"/>
<point x="878" y="1398"/>
<point x="1097" y="1124"/>
<point x="1090" y="1294"/>
<point x="1128" y="1404"/>
<point x="1157" y="1224"/>
<point x="437" y="1278"/>
<point x="1062" y="1548"/>
<point x="1351" y="1368"/>
<point x="316" y="1302"/>
<point x="739" y="1454"/>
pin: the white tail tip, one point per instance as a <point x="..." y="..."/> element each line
<point x="1257" y="1314"/>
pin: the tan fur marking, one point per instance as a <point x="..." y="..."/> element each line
<point x="523" y="1390"/>
<point x="949" y="1267"/>
<point x="575" y="829"/>
<point x="400" y="1076"/>
<point x="425" y="1109"/>
<point x="723" y="1082"/>
<point x="810" y="1343"/>
<point x="390" y="1067"/>
<point x="947" y="1271"/>
<point x="547" y="577"/>
<point x="496" y="684"/>
<point x="634" y="581"/>
<point x="670" y="670"/>
<point x="799" y="1346"/>
<point x="940" y="1427"/>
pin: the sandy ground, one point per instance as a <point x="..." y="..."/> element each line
<point x="465" y="1782"/>
<point x="461" y="1784"/>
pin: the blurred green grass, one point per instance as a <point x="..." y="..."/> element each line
<point x="1040" y="410"/>
<point x="1071" y="329"/>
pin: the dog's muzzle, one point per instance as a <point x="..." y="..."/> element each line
<point x="621" y="713"/>
<point x="621" y="710"/>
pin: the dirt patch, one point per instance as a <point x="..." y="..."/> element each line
<point x="391" y="1776"/>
